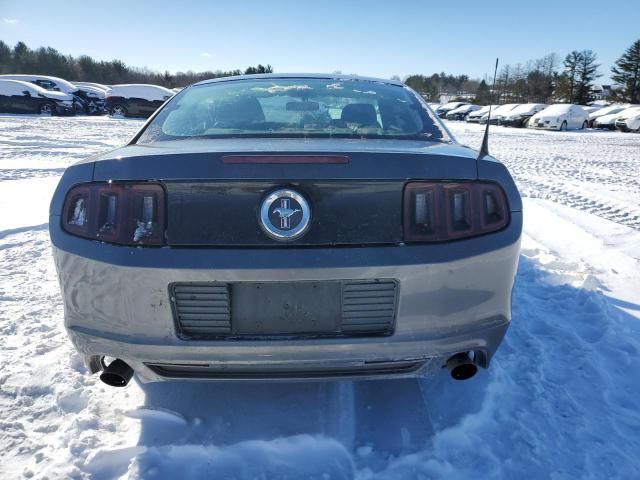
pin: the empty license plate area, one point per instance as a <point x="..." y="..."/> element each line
<point x="285" y="308"/>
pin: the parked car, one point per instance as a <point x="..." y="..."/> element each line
<point x="287" y="226"/>
<point x="86" y="100"/>
<point x="442" y="110"/>
<point x="629" y="120"/>
<point x="474" y="117"/>
<point x="461" y="112"/>
<point x="497" y="113"/>
<point x="520" y="115"/>
<point x="136" y="100"/>
<point x="610" y="110"/>
<point x="560" y="116"/>
<point x="608" y="121"/>
<point x="25" y="97"/>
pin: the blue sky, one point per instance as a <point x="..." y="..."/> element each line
<point x="377" y="38"/>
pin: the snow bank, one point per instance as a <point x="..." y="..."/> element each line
<point x="299" y="457"/>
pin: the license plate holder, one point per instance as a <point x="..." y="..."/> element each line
<point x="286" y="308"/>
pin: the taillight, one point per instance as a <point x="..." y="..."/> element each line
<point x="437" y="212"/>
<point x="123" y="213"/>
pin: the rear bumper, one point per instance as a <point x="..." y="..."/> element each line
<point x="362" y="358"/>
<point x="117" y="304"/>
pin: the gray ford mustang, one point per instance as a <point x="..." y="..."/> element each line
<point x="287" y="227"/>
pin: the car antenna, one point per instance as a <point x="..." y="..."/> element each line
<point x="484" y="149"/>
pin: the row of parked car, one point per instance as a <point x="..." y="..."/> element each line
<point x="55" y="96"/>
<point x="560" y="116"/>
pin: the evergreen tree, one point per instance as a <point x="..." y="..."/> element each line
<point x="5" y="57"/>
<point x="586" y="73"/>
<point x="575" y="85"/>
<point x="569" y="78"/>
<point x="627" y="73"/>
<point x="483" y="94"/>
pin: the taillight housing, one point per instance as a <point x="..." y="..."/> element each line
<point x="122" y="213"/>
<point x="441" y="211"/>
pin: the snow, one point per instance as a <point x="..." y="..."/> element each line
<point x="524" y="109"/>
<point x="556" y="109"/>
<point x="502" y="110"/>
<point x="134" y="90"/>
<point x="559" y="401"/>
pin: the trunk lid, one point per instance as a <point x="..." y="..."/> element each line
<point x="213" y="202"/>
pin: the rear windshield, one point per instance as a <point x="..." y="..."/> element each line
<point x="298" y="107"/>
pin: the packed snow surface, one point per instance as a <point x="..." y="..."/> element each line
<point x="560" y="401"/>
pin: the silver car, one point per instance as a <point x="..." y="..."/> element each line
<point x="287" y="227"/>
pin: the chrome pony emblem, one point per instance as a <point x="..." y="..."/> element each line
<point x="285" y="212"/>
<point x="285" y="215"/>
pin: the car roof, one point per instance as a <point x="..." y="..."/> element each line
<point x="138" y="85"/>
<point x="19" y="76"/>
<point x="323" y="76"/>
<point x="28" y="85"/>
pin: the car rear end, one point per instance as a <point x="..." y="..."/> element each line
<point x="167" y="262"/>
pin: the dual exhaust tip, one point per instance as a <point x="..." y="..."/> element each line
<point x="118" y="373"/>
<point x="461" y="366"/>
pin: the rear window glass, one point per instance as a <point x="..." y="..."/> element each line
<point x="294" y="107"/>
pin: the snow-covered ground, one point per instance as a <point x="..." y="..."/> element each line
<point x="561" y="400"/>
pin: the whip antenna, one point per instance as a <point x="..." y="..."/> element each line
<point x="484" y="149"/>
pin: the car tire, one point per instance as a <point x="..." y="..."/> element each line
<point x="563" y="126"/>
<point x="46" y="109"/>
<point x="585" y="125"/>
<point x="118" y="110"/>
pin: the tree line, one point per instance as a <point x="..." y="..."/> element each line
<point x="544" y="80"/>
<point x="48" y="61"/>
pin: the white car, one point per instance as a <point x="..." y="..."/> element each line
<point x="610" y="110"/>
<point x="520" y="115"/>
<point x="461" y="112"/>
<point x="442" y="110"/>
<point x="629" y="120"/>
<point x="498" y="113"/>
<point x="474" y="117"/>
<point x="561" y="116"/>
<point x="609" y="121"/>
